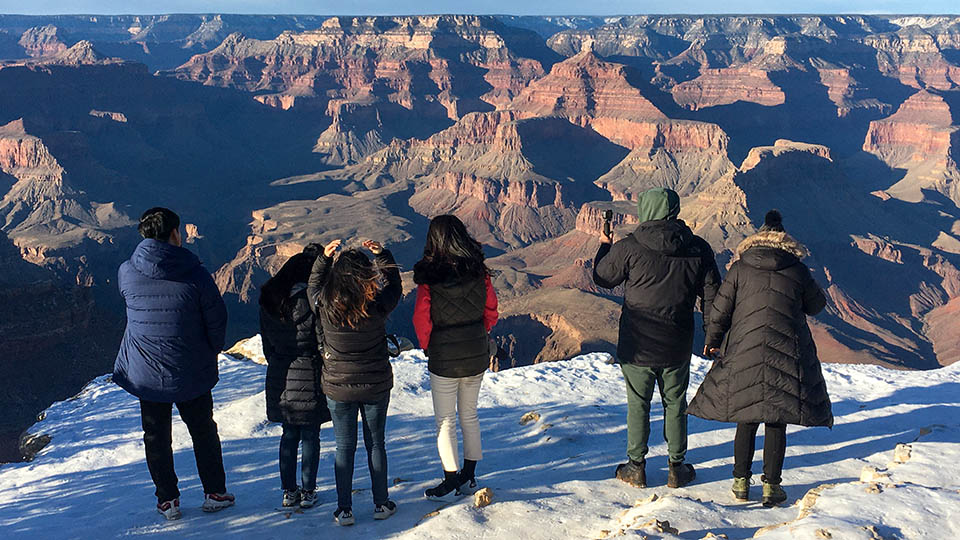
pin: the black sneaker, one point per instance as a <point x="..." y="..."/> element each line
<point x="467" y="486"/>
<point x="633" y="473"/>
<point x="445" y="491"/>
<point x="343" y="517"/>
<point x="680" y="474"/>
<point x="385" y="510"/>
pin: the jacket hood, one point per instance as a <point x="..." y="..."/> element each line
<point x="667" y="236"/>
<point x="658" y="203"/>
<point x="771" y="250"/>
<point x="160" y="260"/>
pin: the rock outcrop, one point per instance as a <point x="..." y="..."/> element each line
<point x="922" y="137"/>
<point x="43" y="41"/>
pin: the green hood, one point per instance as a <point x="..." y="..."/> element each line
<point x="658" y="203"/>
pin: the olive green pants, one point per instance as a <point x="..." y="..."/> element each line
<point x="673" y="383"/>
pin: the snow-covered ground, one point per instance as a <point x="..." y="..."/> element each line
<point x="551" y="478"/>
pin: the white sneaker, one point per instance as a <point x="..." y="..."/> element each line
<point x="214" y="502"/>
<point x="343" y="517"/>
<point x="290" y="498"/>
<point x="308" y="499"/>
<point x="385" y="510"/>
<point x="170" y="509"/>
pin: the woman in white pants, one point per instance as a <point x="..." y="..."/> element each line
<point x="455" y="310"/>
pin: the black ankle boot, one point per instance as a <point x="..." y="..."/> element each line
<point x="445" y="489"/>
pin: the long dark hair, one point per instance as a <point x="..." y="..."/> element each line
<point x="450" y="253"/>
<point x="275" y="293"/>
<point x="351" y="287"/>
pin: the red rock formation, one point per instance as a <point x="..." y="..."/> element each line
<point x="407" y="57"/>
<point x="724" y="86"/>
<point x="681" y="155"/>
<point x="941" y="327"/>
<point x="43" y="41"/>
<point x="42" y="195"/>
<point x="585" y="86"/>
<point x="913" y="55"/>
<point x="923" y="137"/>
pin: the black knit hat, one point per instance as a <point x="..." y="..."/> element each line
<point x="773" y="221"/>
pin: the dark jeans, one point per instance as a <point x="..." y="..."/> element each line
<point x="374" y="416"/>
<point x="673" y="384"/>
<point x="197" y="414"/>
<point x="289" y="442"/>
<point x="774" y="448"/>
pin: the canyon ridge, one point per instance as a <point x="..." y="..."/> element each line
<point x="266" y="133"/>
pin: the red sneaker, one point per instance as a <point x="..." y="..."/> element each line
<point x="214" y="502"/>
<point x="170" y="509"/>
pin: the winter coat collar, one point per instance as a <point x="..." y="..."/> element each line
<point x="160" y="260"/>
<point x="667" y="236"/>
<point x="771" y="250"/>
<point x="425" y="273"/>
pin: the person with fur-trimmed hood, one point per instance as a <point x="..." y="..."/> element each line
<point x="765" y="367"/>
<point x="664" y="268"/>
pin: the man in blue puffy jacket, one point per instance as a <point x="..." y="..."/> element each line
<point x="176" y="325"/>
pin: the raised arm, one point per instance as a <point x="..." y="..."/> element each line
<point x="389" y="296"/>
<point x="319" y="272"/>
<point x="318" y="278"/>
<point x="610" y="265"/>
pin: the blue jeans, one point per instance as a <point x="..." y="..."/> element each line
<point x="374" y="417"/>
<point x="289" y="441"/>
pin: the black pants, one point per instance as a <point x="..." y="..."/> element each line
<point x="774" y="447"/>
<point x="197" y="414"/>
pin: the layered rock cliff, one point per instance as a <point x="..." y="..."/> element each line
<point x="922" y="137"/>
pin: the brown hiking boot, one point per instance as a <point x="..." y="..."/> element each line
<point x="633" y="473"/>
<point x="680" y="474"/>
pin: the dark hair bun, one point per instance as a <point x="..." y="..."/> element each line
<point x="158" y="223"/>
<point x="773" y="219"/>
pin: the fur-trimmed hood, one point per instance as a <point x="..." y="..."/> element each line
<point x="776" y="240"/>
<point x="777" y="250"/>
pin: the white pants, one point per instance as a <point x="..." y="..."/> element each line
<point x="449" y="396"/>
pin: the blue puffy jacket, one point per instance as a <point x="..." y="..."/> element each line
<point x="176" y="325"/>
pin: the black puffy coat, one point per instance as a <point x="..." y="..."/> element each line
<point x="768" y="369"/>
<point x="356" y="362"/>
<point x="459" y="344"/>
<point x="664" y="268"/>
<point x="293" y="364"/>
